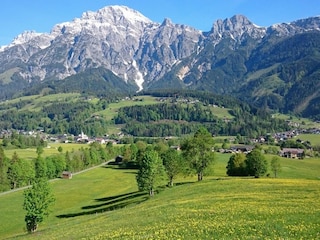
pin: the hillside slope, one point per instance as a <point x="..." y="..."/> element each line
<point x="216" y="208"/>
<point x="226" y="209"/>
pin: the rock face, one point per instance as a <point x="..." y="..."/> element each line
<point x="116" y="37"/>
<point x="149" y="54"/>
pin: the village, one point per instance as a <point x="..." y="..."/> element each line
<point x="234" y="145"/>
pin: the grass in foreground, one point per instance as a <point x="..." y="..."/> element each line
<point x="212" y="209"/>
<point x="78" y="196"/>
<point x="104" y="204"/>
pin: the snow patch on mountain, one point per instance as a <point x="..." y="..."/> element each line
<point x="25" y="37"/>
<point x="139" y="77"/>
<point x="40" y="40"/>
<point x="119" y="19"/>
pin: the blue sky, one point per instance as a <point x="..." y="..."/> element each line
<point x="17" y="16"/>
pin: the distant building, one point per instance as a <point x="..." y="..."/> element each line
<point x="241" y="148"/>
<point x="176" y="148"/>
<point x="83" y="138"/>
<point x="292" y="153"/>
<point x="66" y="175"/>
<point x="100" y="140"/>
<point x="119" y="159"/>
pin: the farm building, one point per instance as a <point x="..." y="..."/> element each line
<point x="119" y="159"/>
<point x="292" y="153"/>
<point x="241" y="148"/>
<point x="66" y="175"/>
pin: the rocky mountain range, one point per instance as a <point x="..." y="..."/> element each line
<point x="276" y="67"/>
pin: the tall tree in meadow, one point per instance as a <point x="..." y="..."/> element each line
<point x="110" y="150"/>
<point x="60" y="149"/>
<point x="256" y="163"/>
<point x="4" y="162"/>
<point x="151" y="172"/>
<point x="142" y="146"/>
<point x="197" y="151"/>
<point x="134" y="151"/>
<point x="15" y="171"/>
<point x="236" y="165"/>
<point x="38" y="200"/>
<point x="126" y="153"/>
<point x="40" y="167"/>
<point x="60" y="162"/>
<point x="39" y="150"/>
<point x="173" y="164"/>
<point x="51" y="168"/>
<point x="275" y="165"/>
<point x="161" y="147"/>
<point x="68" y="159"/>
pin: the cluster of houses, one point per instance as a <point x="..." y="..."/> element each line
<point x="277" y="137"/>
<point x="64" y="138"/>
<point x="296" y="153"/>
<point x="84" y="139"/>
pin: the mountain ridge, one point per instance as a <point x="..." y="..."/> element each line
<point x="156" y="55"/>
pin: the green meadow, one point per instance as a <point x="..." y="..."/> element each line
<point x="104" y="203"/>
<point x="113" y="108"/>
<point x="31" y="153"/>
<point x="36" y="102"/>
<point x="313" y="138"/>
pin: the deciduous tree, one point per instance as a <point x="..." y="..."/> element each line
<point x="4" y="162"/>
<point x="275" y="165"/>
<point x="39" y="150"/>
<point x="236" y="165"/>
<point x="173" y="164"/>
<point x="60" y="149"/>
<point x="37" y="202"/>
<point x="256" y="163"/>
<point x="151" y="172"/>
<point x="198" y="151"/>
<point x="15" y="171"/>
<point x="40" y="167"/>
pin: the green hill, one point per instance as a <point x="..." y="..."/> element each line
<point x="104" y="204"/>
<point x="157" y="114"/>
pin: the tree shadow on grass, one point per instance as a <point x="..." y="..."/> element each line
<point x="122" y="166"/>
<point x="182" y="183"/>
<point x="110" y="204"/>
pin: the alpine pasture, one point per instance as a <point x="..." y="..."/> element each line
<point x="104" y="203"/>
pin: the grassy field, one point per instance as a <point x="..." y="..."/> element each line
<point x="313" y="138"/>
<point x="104" y="204"/>
<point x="70" y="197"/>
<point x="38" y="101"/>
<point x="113" y="108"/>
<point x="222" y="112"/>
<point x="31" y="153"/>
<point x="225" y="209"/>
